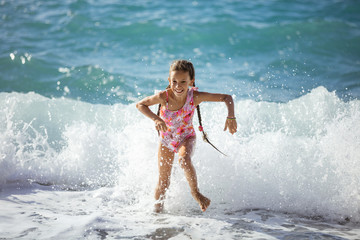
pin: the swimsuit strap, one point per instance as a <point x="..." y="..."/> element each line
<point x="167" y="99"/>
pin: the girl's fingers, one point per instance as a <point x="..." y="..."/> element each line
<point x="234" y="130"/>
<point x="160" y="126"/>
<point x="233" y="127"/>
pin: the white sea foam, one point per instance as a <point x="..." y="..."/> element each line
<point x="300" y="157"/>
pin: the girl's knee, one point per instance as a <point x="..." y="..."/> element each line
<point x="164" y="183"/>
<point x="184" y="162"/>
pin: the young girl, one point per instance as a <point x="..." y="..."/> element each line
<point x="174" y="124"/>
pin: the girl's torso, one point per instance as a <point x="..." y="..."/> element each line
<point x="179" y="122"/>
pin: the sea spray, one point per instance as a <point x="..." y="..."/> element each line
<point x="298" y="157"/>
<point x="290" y="157"/>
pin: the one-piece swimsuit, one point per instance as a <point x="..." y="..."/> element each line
<point x="179" y="123"/>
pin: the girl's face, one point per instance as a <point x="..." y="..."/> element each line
<point x="180" y="82"/>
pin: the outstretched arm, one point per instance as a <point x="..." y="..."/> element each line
<point x="143" y="107"/>
<point x="230" y="123"/>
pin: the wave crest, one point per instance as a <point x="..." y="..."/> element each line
<point x="300" y="156"/>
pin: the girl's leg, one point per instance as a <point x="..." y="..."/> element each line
<point x="165" y="162"/>
<point x="185" y="153"/>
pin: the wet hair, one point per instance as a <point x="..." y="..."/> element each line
<point x="186" y="66"/>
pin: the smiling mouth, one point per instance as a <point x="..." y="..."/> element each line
<point x="179" y="91"/>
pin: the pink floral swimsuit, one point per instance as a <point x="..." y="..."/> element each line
<point x="179" y="122"/>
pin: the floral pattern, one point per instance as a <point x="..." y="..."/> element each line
<point x="179" y="123"/>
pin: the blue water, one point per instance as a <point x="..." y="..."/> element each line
<point x="111" y="52"/>
<point x="71" y="72"/>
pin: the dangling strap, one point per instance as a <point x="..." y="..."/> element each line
<point x="201" y="129"/>
<point x="167" y="100"/>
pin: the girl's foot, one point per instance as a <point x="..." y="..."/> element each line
<point x="159" y="207"/>
<point x="203" y="201"/>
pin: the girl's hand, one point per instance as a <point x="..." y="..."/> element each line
<point x="231" y="124"/>
<point x="160" y="125"/>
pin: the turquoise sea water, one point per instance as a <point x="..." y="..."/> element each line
<point x="78" y="160"/>
<point x="110" y="52"/>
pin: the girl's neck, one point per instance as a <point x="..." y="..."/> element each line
<point x="179" y="98"/>
<point x="178" y="101"/>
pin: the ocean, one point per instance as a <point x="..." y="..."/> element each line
<point x="79" y="161"/>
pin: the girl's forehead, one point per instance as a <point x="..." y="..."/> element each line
<point x="179" y="74"/>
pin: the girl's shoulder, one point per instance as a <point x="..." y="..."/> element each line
<point x="196" y="96"/>
<point x="163" y="96"/>
<point x="196" y="92"/>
